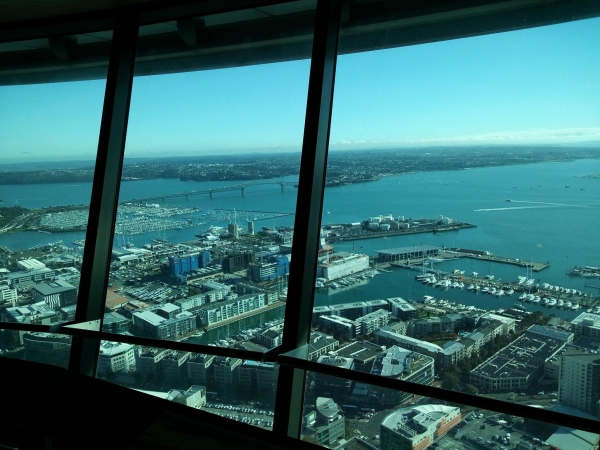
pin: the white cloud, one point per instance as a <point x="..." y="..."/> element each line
<point x="537" y="136"/>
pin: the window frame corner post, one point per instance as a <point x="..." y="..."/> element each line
<point x="105" y="190"/>
<point x="315" y="145"/>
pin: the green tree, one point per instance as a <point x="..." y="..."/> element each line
<point x="450" y="382"/>
<point x="470" y="389"/>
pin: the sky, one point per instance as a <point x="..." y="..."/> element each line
<point x="536" y="86"/>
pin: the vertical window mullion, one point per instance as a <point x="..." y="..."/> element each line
<point x="105" y="190"/>
<point x="291" y="382"/>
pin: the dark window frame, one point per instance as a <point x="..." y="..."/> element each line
<point x="291" y="355"/>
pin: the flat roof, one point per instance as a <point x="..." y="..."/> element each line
<point x="361" y="351"/>
<point x="109" y="348"/>
<point x="337" y="361"/>
<point x="169" y="307"/>
<point x="22" y="273"/>
<point x="521" y="358"/>
<point x="150" y="317"/>
<point x="592" y="320"/>
<point x="391" y="362"/>
<point x="400" y="338"/>
<point x="53" y="287"/>
<point x="564" y="336"/>
<point x="30" y="264"/>
<point x="409" y="249"/>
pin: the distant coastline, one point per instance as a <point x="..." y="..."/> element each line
<point x="344" y="167"/>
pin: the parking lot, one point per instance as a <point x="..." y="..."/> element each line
<point x="242" y="413"/>
<point x="480" y="430"/>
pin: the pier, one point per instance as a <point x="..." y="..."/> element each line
<point x="456" y="253"/>
<point x="354" y="233"/>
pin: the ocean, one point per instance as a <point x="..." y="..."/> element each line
<point x="553" y="217"/>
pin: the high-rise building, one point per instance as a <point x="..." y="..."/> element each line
<point x="8" y="294"/>
<point x="579" y="380"/>
<point x="55" y="294"/>
<point x="115" y="357"/>
<point x="325" y="423"/>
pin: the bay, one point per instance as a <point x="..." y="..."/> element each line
<point x="544" y="221"/>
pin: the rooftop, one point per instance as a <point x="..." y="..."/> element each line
<point x="410" y="249"/>
<point x="587" y="319"/>
<point x="410" y="421"/>
<point x="109" y="348"/>
<point x="361" y="351"/>
<point x="53" y="287"/>
<point x="564" y="336"/>
<point x="521" y="358"/>
<point x="393" y="362"/>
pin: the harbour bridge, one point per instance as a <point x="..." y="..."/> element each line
<point x="238" y="187"/>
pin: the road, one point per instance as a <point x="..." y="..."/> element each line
<point x="16" y="223"/>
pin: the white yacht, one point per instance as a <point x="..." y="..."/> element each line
<point x="445" y="283"/>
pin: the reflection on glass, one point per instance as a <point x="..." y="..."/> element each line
<point x="341" y="420"/>
<point x="448" y="250"/>
<point x="241" y="390"/>
<point x="52" y="94"/>
<point x="202" y="244"/>
<point x="46" y="348"/>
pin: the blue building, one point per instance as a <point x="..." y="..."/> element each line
<point x="183" y="264"/>
<point x="266" y="271"/>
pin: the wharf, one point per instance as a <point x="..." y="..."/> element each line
<point x="585" y="300"/>
<point x="350" y="234"/>
<point x="458" y="253"/>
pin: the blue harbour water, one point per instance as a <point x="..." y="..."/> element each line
<point x="545" y="221"/>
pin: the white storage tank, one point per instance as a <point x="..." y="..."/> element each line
<point x="384" y="227"/>
<point x="374" y="225"/>
<point x="375" y="220"/>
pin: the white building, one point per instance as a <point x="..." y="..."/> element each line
<point x="30" y="264"/>
<point x="341" y="265"/>
<point x="115" y="357"/>
<point x="194" y="396"/>
<point x="219" y="311"/>
<point x="579" y="380"/>
<point x="8" y="295"/>
<point x="587" y="324"/>
<point x="417" y="427"/>
<point x="508" y="324"/>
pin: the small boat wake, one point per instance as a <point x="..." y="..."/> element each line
<point x="538" y="205"/>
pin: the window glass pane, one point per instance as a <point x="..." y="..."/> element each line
<point x="460" y="207"/>
<point x="238" y="389"/>
<point x="46" y="348"/>
<point x="341" y="418"/>
<point x="202" y="245"/>
<point x="52" y="93"/>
